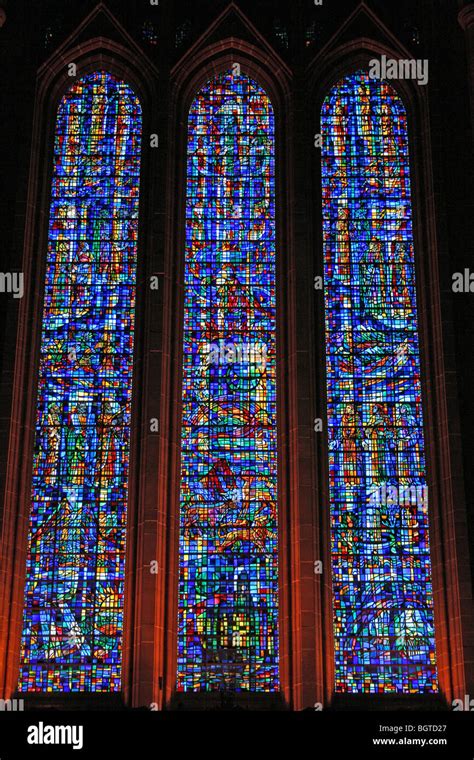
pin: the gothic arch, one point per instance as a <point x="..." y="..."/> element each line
<point x="198" y="66"/>
<point x="441" y="425"/>
<point x="149" y="663"/>
<point x="120" y="56"/>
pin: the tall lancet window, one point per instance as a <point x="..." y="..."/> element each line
<point x="72" y="624"/>
<point x="228" y="584"/>
<point x="383" y="607"/>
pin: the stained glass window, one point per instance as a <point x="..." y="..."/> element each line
<point x="383" y="607"/>
<point x="72" y="624"/>
<point x="228" y="582"/>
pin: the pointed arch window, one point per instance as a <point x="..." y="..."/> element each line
<point x="73" y="605"/>
<point x="228" y="552"/>
<point x="382" y="592"/>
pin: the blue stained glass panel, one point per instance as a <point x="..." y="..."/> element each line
<point x="228" y="583"/>
<point x="383" y="606"/>
<point x="73" y="614"/>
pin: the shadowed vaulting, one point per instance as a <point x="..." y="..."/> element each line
<point x="73" y="613"/>
<point x="228" y="582"/>
<point x="383" y="607"/>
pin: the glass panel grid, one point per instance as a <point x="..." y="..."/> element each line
<point x="228" y="584"/>
<point x="73" y="613"/>
<point x="383" y="605"/>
